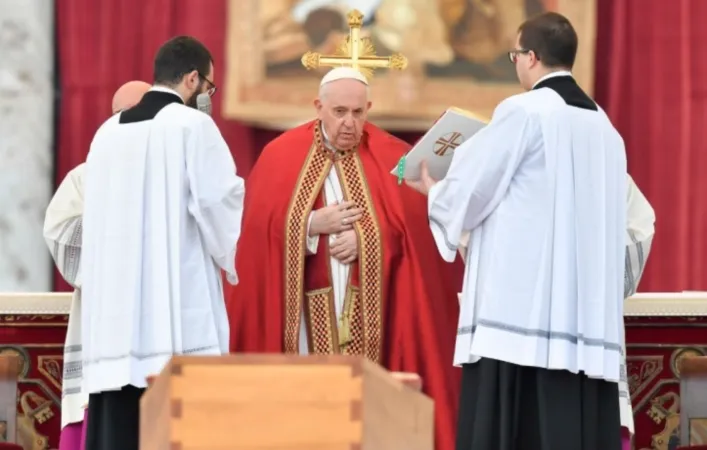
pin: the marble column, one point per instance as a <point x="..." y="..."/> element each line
<point x="26" y="141"/>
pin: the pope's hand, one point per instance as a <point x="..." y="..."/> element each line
<point x="345" y="247"/>
<point x="425" y="183"/>
<point x="334" y="218"/>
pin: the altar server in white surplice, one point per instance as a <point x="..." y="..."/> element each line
<point x="640" y="229"/>
<point x="162" y="218"/>
<point x="542" y="189"/>
<point x="63" y="233"/>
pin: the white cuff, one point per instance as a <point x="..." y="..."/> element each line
<point x="445" y="248"/>
<point x="229" y="268"/>
<point x="312" y="241"/>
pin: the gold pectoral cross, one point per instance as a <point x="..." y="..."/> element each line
<point x="356" y="52"/>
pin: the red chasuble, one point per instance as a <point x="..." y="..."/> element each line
<point x="401" y="306"/>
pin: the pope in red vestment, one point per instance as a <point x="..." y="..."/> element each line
<point x="374" y="284"/>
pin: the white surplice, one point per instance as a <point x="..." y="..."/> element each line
<point x="62" y="232"/>
<point x="333" y="194"/>
<point x="640" y="230"/>
<point x="541" y="188"/>
<point x="162" y="215"/>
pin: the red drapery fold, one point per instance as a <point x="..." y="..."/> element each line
<point x="650" y="79"/>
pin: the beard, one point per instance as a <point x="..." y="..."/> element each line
<point x="191" y="101"/>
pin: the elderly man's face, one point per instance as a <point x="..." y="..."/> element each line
<point x="343" y="108"/>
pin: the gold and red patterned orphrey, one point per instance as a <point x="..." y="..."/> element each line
<point x="360" y="330"/>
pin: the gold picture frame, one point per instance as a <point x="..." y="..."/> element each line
<point x="260" y="32"/>
<point x="698" y="431"/>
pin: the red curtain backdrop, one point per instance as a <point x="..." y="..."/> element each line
<point x="652" y="81"/>
<point x="649" y="80"/>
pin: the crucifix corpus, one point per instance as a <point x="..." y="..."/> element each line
<point x="356" y="52"/>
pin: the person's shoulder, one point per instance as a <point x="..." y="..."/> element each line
<point x="532" y="101"/>
<point x="606" y="121"/>
<point x="104" y="134"/>
<point x="285" y="155"/>
<point x="76" y="175"/>
<point x="529" y="106"/>
<point x="109" y="124"/>
<point x="517" y="107"/>
<point x="182" y="115"/>
<point x="294" y="139"/>
<point x="380" y="140"/>
<point x="77" y="172"/>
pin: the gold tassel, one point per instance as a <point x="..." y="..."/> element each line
<point x="344" y="330"/>
<point x="345" y="320"/>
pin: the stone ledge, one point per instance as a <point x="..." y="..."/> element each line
<point x="667" y="304"/>
<point x="655" y="304"/>
<point x="35" y="303"/>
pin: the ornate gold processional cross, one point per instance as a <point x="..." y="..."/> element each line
<point x="356" y="52"/>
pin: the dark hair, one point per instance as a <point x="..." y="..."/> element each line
<point x="551" y="37"/>
<point x="179" y="56"/>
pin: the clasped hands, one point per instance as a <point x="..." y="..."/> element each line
<point x="338" y="219"/>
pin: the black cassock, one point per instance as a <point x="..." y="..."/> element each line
<point x="113" y="420"/>
<point x="505" y="406"/>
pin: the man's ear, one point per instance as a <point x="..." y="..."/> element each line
<point x="533" y="58"/>
<point x="368" y="105"/>
<point x="193" y="79"/>
<point x="317" y="104"/>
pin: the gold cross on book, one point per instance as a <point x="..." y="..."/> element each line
<point x="355" y="52"/>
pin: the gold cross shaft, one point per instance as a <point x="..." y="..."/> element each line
<point x="355" y="52"/>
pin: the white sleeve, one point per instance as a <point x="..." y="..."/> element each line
<point x="640" y="230"/>
<point x="481" y="171"/>
<point x="216" y="194"/>
<point x="312" y="241"/>
<point x="63" y="226"/>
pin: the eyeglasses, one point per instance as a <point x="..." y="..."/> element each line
<point x="212" y="90"/>
<point x="513" y="54"/>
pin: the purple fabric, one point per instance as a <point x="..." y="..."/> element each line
<point x="73" y="436"/>
<point x="625" y="439"/>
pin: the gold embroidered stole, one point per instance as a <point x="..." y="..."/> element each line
<point x="362" y="318"/>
